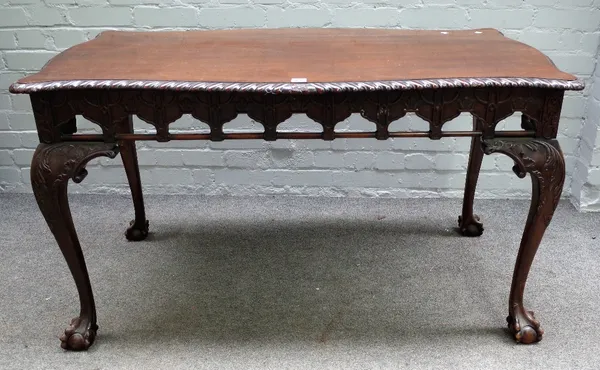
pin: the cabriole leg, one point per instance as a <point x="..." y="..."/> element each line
<point x="544" y="161"/>
<point x="468" y="223"/>
<point x="138" y="228"/>
<point x="51" y="168"/>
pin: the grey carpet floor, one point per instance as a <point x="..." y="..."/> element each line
<point x="297" y="283"/>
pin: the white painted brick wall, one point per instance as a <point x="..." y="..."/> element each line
<point x="32" y="31"/>
<point x="586" y="177"/>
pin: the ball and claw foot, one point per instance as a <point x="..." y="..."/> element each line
<point x="470" y="226"/>
<point x="79" y="336"/>
<point x="525" y="328"/>
<point x="135" y="233"/>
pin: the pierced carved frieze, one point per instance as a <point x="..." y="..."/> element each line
<point x="440" y="106"/>
<point x="43" y="114"/>
<point x="270" y="110"/>
<point x="492" y="106"/>
<point x="527" y="123"/>
<point x="162" y="107"/>
<point x="213" y="109"/>
<point x="548" y="128"/>
<point x="158" y="108"/>
<point x="54" y="115"/>
<point x="329" y="110"/>
<point x="383" y="108"/>
<point x="68" y="128"/>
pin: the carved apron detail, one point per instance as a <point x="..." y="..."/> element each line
<point x="161" y="108"/>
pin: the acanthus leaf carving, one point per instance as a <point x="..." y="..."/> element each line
<point x="542" y="159"/>
<point x="54" y="164"/>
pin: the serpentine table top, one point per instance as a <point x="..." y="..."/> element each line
<point x="282" y="59"/>
<point x="271" y="74"/>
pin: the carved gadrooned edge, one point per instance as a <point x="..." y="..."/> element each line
<point x="314" y="87"/>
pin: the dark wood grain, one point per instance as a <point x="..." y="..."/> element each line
<point x="264" y="56"/>
<point x="278" y="55"/>
<point x="544" y="161"/>
<point x="138" y="227"/>
<point x="469" y="223"/>
<point x="159" y="108"/>
<point x="51" y="169"/>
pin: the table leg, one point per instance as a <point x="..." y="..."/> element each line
<point x="544" y="161"/>
<point x="468" y="222"/>
<point x="138" y="228"/>
<point x="51" y="168"/>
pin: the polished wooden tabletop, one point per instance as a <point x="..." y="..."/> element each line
<point x="304" y="55"/>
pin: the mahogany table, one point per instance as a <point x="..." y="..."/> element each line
<point x="270" y="74"/>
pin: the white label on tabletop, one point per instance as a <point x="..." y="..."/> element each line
<point x="298" y="80"/>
